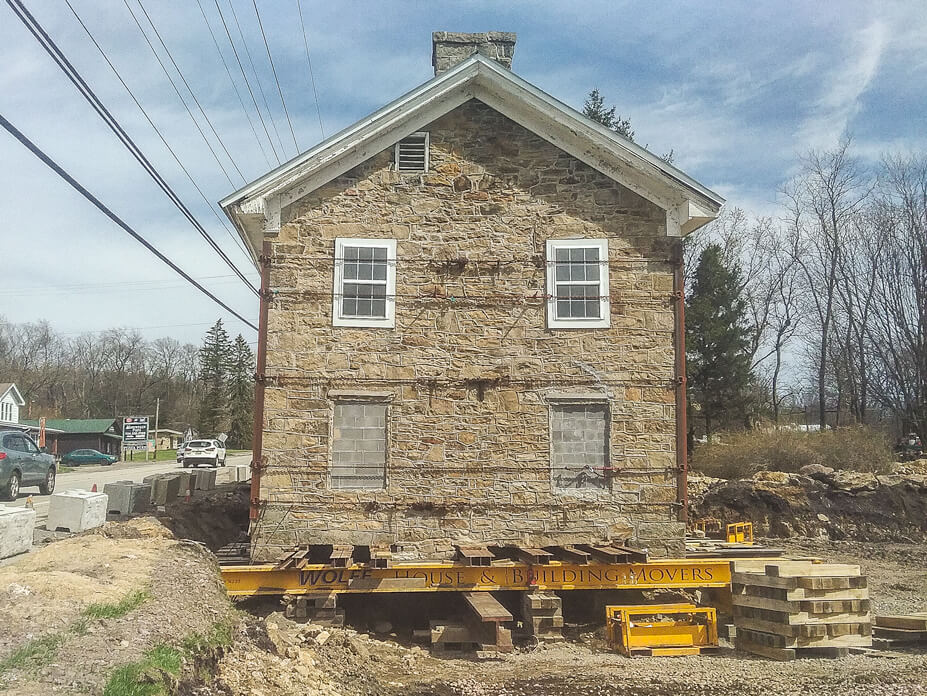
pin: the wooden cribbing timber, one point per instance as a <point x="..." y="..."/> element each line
<point x="900" y="631"/>
<point x="790" y="609"/>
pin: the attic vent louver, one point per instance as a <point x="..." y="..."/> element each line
<point x="412" y="153"/>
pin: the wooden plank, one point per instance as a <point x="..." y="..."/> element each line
<point x="911" y="622"/>
<point x="795" y="569"/>
<point x="806" y="583"/>
<point x="570" y="554"/>
<point x="795" y="618"/>
<point x="773" y="653"/>
<point x="832" y="583"/>
<point x="900" y="634"/>
<point x="802" y="606"/>
<point x="778" y="636"/>
<point x="486" y="607"/>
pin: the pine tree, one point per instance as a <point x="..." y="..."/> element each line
<point x="594" y="108"/>
<point x="214" y="368"/>
<point x="241" y="394"/>
<point x="717" y="342"/>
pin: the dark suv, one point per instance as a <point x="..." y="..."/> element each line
<point x="23" y="464"/>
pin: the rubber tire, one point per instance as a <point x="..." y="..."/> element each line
<point x="184" y="465"/>
<point x="223" y="463"/>
<point x="44" y="487"/>
<point x="8" y="493"/>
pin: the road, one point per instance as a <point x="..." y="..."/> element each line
<point x="85" y="477"/>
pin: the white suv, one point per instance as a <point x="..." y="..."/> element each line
<point x="203" y="452"/>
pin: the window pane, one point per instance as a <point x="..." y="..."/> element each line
<point x="350" y="253"/>
<point x="379" y="253"/>
<point x="562" y="254"/>
<point x="350" y="271"/>
<point x="379" y="270"/>
<point x="365" y="253"/>
<point x="358" y="300"/>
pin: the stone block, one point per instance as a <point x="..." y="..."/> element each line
<point x="165" y="489"/>
<point x="17" y="525"/>
<point x="76" y="510"/>
<point x="187" y="483"/>
<point x="240" y="472"/>
<point x="203" y="479"/>
<point x="126" y="497"/>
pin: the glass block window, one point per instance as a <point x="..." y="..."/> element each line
<point x="579" y="445"/>
<point x="365" y="282"/>
<point x="577" y="283"/>
<point x="359" y="445"/>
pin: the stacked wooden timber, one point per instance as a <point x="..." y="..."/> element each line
<point x="789" y="609"/>
<point x="893" y="632"/>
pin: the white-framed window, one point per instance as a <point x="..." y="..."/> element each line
<point x="364" y="291"/>
<point x="6" y="412"/>
<point x="579" y="434"/>
<point x="577" y="283"/>
<point x="359" y="444"/>
<point x="412" y="153"/>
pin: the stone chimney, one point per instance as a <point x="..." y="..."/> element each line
<point x="451" y="48"/>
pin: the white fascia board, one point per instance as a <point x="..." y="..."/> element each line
<point x="17" y="397"/>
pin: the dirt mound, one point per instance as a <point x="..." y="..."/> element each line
<point x="83" y="611"/>
<point x="819" y="502"/>
<point x="214" y="518"/>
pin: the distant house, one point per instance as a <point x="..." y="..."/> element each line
<point x="165" y="438"/>
<point x="64" y="435"/>
<point x="10" y="403"/>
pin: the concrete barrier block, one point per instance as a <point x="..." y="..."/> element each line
<point x="165" y="489"/>
<point x="17" y="526"/>
<point x="126" y="497"/>
<point x="242" y="472"/>
<point x="187" y="483"/>
<point x="205" y="479"/>
<point x="76" y="511"/>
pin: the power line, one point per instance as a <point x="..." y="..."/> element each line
<point x="274" y="71"/>
<point x="247" y="82"/>
<point x="244" y="43"/>
<point x="315" y="93"/>
<point x="234" y="84"/>
<point x="209" y="203"/>
<point x="51" y="164"/>
<point x="190" y="89"/>
<point x="74" y="76"/>
<point x="94" y="288"/>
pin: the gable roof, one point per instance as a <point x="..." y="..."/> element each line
<point x="82" y="426"/>
<point x="255" y="209"/>
<point x="8" y="387"/>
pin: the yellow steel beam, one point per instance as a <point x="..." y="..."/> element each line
<point x="246" y="581"/>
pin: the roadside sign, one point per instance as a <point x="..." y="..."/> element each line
<point x="135" y="433"/>
<point x="151" y="445"/>
<point x="222" y="438"/>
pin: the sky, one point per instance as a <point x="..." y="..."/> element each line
<point x="738" y="90"/>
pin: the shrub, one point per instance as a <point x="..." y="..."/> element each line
<point x="742" y="454"/>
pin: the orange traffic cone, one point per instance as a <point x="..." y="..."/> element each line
<point x="187" y="497"/>
<point x="93" y="488"/>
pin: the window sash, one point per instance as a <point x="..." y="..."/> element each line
<point x="577" y="281"/>
<point x="364" y="282"/>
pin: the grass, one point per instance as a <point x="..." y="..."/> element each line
<point x="43" y="649"/>
<point x="66" y="469"/>
<point x="152" y="675"/>
<point x="742" y="454"/>
<point x="113" y="610"/>
<point x="147" y="676"/>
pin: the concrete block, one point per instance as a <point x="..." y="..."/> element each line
<point x="165" y="489"/>
<point x="17" y="525"/>
<point x="126" y="497"/>
<point x="240" y="472"/>
<point x="205" y="479"/>
<point x="187" y="483"/>
<point x="76" y="511"/>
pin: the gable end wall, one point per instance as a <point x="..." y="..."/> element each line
<point x="470" y="366"/>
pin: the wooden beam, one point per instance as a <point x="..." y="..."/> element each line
<point x="486" y="607"/>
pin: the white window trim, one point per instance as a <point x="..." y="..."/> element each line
<point x="387" y="322"/>
<point x="427" y="149"/>
<point x="553" y="321"/>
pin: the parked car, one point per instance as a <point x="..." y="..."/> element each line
<point x="203" y="452"/>
<point x="88" y="456"/>
<point x="22" y="463"/>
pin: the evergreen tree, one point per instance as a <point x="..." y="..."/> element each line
<point x="594" y="108"/>
<point x="241" y="395"/>
<point x="717" y="342"/>
<point x="214" y="367"/>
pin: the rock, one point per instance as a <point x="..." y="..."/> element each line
<point x="322" y="638"/>
<point x="852" y="481"/>
<point x="816" y="471"/>
<point x="822" y="517"/>
<point x="382" y="627"/>
<point x="772" y="477"/>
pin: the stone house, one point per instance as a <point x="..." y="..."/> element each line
<point x="469" y="324"/>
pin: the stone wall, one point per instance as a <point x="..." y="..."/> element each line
<point x="470" y="369"/>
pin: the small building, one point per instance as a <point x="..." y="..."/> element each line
<point x="10" y="403"/>
<point x="63" y="435"/>
<point x="472" y="324"/>
<point x="166" y="439"/>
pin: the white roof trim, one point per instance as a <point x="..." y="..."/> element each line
<point x="17" y="397"/>
<point x="255" y="209"/>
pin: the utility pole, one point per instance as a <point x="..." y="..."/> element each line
<point x="157" y="416"/>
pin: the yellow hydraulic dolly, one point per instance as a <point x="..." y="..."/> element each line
<point x="661" y="629"/>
